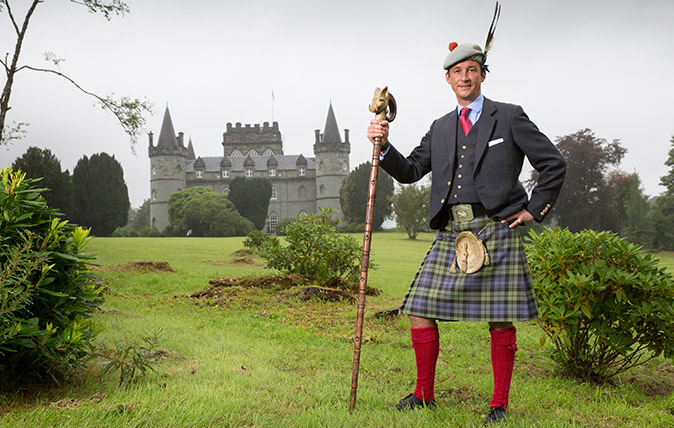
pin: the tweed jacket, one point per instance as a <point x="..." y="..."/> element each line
<point x="505" y="137"/>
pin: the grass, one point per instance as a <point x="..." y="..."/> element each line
<point x="264" y="358"/>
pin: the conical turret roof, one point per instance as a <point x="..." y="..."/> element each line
<point x="167" y="135"/>
<point x="190" y="151"/>
<point x="331" y="131"/>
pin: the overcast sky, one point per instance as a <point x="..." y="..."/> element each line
<point x="572" y="64"/>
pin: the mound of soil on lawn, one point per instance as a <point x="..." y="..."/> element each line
<point x="239" y="258"/>
<point x="333" y="290"/>
<point x="143" y="265"/>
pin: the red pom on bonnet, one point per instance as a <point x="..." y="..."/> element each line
<point x="453" y="46"/>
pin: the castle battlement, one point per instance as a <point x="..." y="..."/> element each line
<point x="252" y="128"/>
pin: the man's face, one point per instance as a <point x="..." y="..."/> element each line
<point x="466" y="79"/>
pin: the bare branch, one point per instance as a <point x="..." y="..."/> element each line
<point x="129" y="112"/>
<point x="11" y="16"/>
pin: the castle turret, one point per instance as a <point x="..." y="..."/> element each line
<point x="332" y="163"/>
<point x="167" y="170"/>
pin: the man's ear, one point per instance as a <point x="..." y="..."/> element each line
<point x="447" y="76"/>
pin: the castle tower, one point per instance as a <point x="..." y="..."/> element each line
<point x="167" y="170"/>
<point x="332" y="164"/>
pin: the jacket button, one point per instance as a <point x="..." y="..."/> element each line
<point x="449" y="183"/>
<point x="442" y="201"/>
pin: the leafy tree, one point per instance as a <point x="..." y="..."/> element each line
<point x="141" y="217"/>
<point x="199" y="211"/>
<point x="584" y="201"/>
<point x="637" y="226"/>
<point x="662" y="217"/>
<point x="251" y="198"/>
<point x="606" y="305"/>
<point x="42" y="163"/>
<point x="411" y="207"/>
<point x="128" y="111"/>
<point x="47" y="292"/>
<point x="354" y="192"/>
<point x="101" y="196"/>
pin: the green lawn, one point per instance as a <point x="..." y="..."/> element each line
<point x="261" y="358"/>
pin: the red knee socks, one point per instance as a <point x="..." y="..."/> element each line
<point x="503" y="348"/>
<point x="426" y="343"/>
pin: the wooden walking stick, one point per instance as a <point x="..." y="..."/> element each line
<point x="380" y="102"/>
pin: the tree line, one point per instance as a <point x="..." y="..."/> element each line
<point x="597" y="195"/>
<point x="95" y="196"/>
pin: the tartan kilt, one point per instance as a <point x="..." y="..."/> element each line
<point x="499" y="292"/>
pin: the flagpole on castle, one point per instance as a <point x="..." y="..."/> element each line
<point x="272" y="106"/>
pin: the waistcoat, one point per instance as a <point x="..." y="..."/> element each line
<point x="463" y="187"/>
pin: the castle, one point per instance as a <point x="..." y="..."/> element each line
<point x="300" y="185"/>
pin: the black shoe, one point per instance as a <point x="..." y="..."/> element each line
<point x="495" y="416"/>
<point x="412" y="402"/>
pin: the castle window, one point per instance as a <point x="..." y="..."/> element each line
<point x="302" y="192"/>
<point x="268" y="152"/>
<point x="154" y="170"/>
<point x="252" y="152"/>
<point x="272" y="172"/>
<point x="236" y="152"/>
<point x="225" y="190"/>
<point x="273" y="222"/>
<point x="302" y="214"/>
<point x="225" y="173"/>
<point x="300" y="171"/>
<point x="199" y="173"/>
<point x="274" y="193"/>
<point x="322" y="190"/>
<point x="344" y="166"/>
<point x="249" y="172"/>
<point x="154" y="195"/>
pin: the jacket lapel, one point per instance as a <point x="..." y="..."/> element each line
<point x="447" y="149"/>
<point x="487" y="122"/>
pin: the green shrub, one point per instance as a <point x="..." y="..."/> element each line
<point x="46" y="290"/>
<point x="315" y="249"/>
<point x="605" y="304"/>
<point x="256" y="239"/>
<point x="149" y="232"/>
<point x="351" y="228"/>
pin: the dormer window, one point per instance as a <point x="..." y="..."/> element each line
<point x="249" y="172"/>
<point x="225" y="173"/>
<point x="300" y="171"/>
<point x="199" y="173"/>
<point x="272" y="172"/>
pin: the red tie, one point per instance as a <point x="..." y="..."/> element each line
<point x="466" y="124"/>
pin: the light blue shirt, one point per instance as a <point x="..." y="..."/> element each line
<point x="475" y="109"/>
<point x="474" y="115"/>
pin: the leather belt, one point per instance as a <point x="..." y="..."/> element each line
<point x="466" y="212"/>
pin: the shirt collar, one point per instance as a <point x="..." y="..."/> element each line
<point x="475" y="107"/>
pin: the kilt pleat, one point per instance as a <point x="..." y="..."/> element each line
<point x="499" y="292"/>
